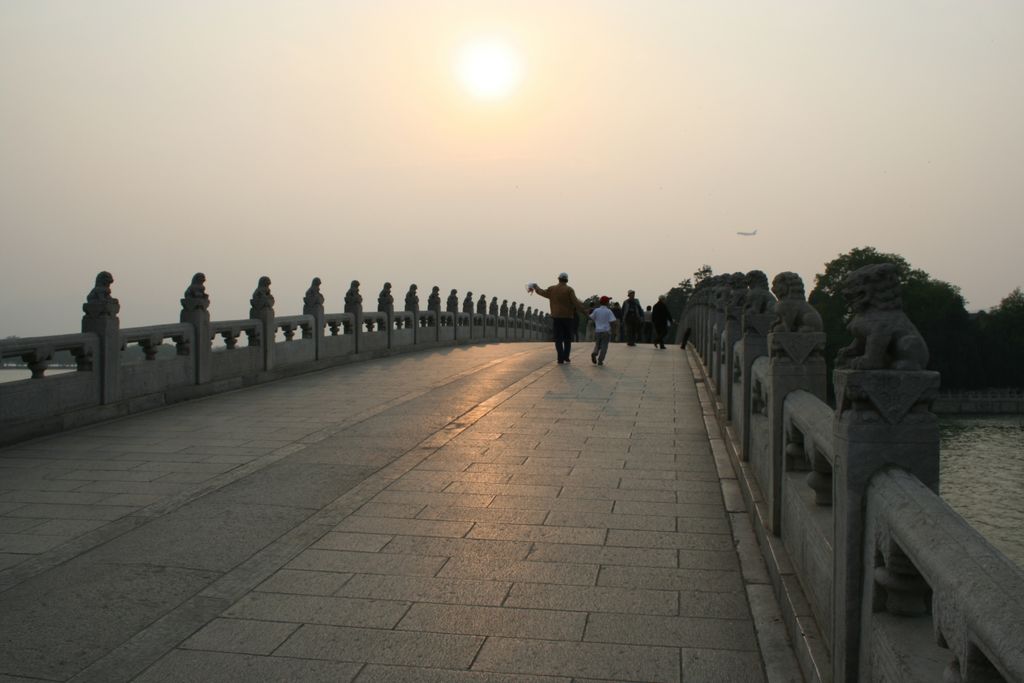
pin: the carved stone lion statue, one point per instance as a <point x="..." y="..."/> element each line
<point x="262" y="300"/>
<point x="386" y="300"/>
<point x="195" y="297"/>
<point x="100" y="293"/>
<point x="99" y="303"/>
<point x="792" y="312"/>
<point x="313" y="297"/>
<point x="883" y="336"/>
<point x="412" y="299"/>
<point x="353" y="299"/>
<point x="434" y="300"/>
<point x="758" y="299"/>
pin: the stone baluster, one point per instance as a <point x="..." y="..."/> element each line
<point x="38" y="360"/>
<point x="101" y="319"/>
<point x="819" y="479"/>
<point x="883" y="418"/>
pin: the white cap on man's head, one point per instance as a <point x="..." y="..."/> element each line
<point x="563" y="276"/>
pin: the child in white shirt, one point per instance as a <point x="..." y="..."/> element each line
<point x="604" y="322"/>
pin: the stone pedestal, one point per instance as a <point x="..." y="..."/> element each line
<point x="795" y="363"/>
<point x="268" y="332"/>
<point x="317" y="333"/>
<point x="882" y="420"/>
<point x="753" y="345"/>
<point x="101" y="319"/>
<point x="727" y="374"/>
<point x="195" y="313"/>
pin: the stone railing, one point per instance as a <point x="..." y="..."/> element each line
<point x="878" y="578"/>
<point x="120" y="371"/>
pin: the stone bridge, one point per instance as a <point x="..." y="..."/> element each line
<point x="475" y="512"/>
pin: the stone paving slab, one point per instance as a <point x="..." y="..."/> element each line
<point x="478" y="515"/>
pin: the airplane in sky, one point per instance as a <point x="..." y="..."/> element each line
<point x="747" y="234"/>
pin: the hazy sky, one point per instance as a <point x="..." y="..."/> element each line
<point x="334" y="139"/>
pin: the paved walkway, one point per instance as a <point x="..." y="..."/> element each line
<point x="472" y="514"/>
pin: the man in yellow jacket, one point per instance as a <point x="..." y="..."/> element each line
<point x="563" y="304"/>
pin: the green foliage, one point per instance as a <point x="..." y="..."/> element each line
<point x="702" y="273"/>
<point x="1002" y="331"/>
<point x="677" y="297"/>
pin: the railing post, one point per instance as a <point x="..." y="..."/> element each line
<point x="883" y="419"/>
<point x="386" y="305"/>
<point x="195" y="305"/>
<point x="796" y="347"/>
<point x="753" y="344"/>
<point x="354" y="305"/>
<point x="261" y="308"/>
<point x="313" y="304"/>
<point x="795" y="361"/>
<point x="101" y="319"/>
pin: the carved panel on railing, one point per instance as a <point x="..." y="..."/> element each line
<point x="796" y="347"/>
<point x="893" y="396"/>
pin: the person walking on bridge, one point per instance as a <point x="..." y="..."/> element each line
<point x="564" y="304"/>
<point x="604" y="323"/>
<point x="632" y="316"/>
<point x="662" y="318"/>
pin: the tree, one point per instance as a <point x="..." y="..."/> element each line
<point x="702" y="273"/>
<point x="676" y="299"/>
<point x="1002" y="338"/>
<point x="935" y="307"/>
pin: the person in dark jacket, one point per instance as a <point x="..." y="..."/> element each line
<point x="633" y="316"/>
<point x="661" y="318"/>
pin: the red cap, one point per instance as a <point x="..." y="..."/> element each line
<point x="604" y="300"/>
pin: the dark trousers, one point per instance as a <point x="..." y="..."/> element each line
<point x="563" y="336"/>
<point x="659" y="334"/>
<point x="632" y="329"/>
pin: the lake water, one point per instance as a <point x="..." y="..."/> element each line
<point x="982" y="476"/>
<point x="982" y="472"/>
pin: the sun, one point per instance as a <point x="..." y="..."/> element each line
<point x="489" y="68"/>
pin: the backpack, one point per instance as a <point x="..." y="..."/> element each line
<point x="632" y="311"/>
